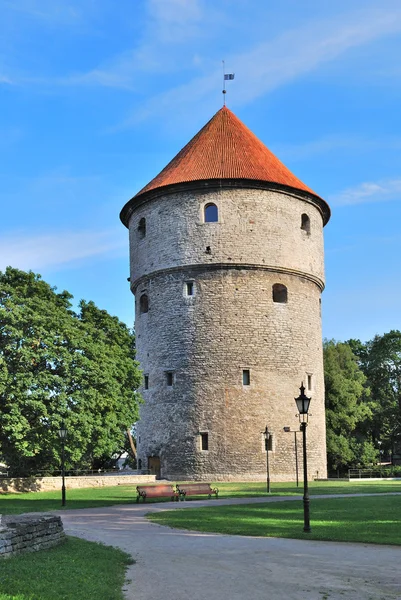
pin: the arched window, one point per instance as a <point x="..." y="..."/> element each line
<point x="279" y="293"/>
<point x="211" y="213"/>
<point x="142" y="228"/>
<point x="305" y="223"/>
<point x="143" y="303"/>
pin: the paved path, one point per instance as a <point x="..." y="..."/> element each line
<point x="173" y="564"/>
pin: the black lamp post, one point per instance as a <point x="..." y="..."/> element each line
<point x="302" y="403"/>
<point x="266" y="433"/>
<point x="62" y="432"/>
<point x="380" y="455"/>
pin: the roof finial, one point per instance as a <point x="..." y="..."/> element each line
<point x="226" y="77"/>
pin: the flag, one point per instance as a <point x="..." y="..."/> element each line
<point x="228" y="76"/>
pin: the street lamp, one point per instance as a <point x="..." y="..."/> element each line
<point x="267" y="435"/>
<point x="380" y="455"/>
<point x="302" y="403"/>
<point x="62" y="432"/>
<point x="294" y="431"/>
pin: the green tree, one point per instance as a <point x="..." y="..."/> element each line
<point x="56" y="365"/>
<point x="346" y="406"/>
<point x="381" y="362"/>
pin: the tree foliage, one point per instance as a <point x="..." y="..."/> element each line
<point x="380" y="360"/>
<point x="57" y="365"/>
<point x="346" y="405"/>
<point x="363" y="400"/>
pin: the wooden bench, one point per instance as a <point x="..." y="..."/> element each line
<point x="161" y="490"/>
<point x="196" y="489"/>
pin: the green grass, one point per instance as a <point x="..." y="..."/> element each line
<point x="243" y="490"/>
<point x="108" y="496"/>
<point x="373" y="519"/>
<point x="75" y="570"/>
<point x="19" y="597"/>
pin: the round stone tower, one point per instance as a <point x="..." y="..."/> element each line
<point x="226" y="253"/>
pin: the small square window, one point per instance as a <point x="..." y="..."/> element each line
<point x="189" y="288"/>
<point x="204" y="441"/>
<point x="146" y="382"/>
<point x="246" y="377"/>
<point x="169" y="378"/>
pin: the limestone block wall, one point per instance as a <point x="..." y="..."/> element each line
<point x="46" y="484"/>
<point x="261" y="227"/>
<point x="29" y="533"/>
<point x="230" y="324"/>
<point x="194" y="349"/>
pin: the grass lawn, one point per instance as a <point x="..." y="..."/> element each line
<point x="373" y="519"/>
<point x="108" y="496"/>
<point x="75" y="570"/>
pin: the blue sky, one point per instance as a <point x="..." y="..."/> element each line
<point x="97" y="96"/>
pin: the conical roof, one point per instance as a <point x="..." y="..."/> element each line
<point x="226" y="149"/>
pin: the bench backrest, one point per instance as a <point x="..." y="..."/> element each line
<point x="156" y="490"/>
<point x="195" y="487"/>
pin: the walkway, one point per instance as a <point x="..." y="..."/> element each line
<point x="181" y="565"/>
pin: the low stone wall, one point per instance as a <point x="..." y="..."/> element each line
<point x="29" y="533"/>
<point x="46" y="484"/>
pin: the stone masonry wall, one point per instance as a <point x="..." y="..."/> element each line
<point x="230" y="324"/>
<point x="47" y="484"/>
<point x="194" y="338"/>
<point x="29" y="533"/>
<point x="259" y="227"/>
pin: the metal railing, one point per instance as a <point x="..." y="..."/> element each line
<point x="374" y="473"/>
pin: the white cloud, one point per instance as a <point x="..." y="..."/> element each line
<point x="53" y="250"/>
<point x="274" y="63"/>
<point x="169" y="25"/>
<point x="174" y="18"/>
<point x="334" y="143"/>
<point x="48" y="11"/>
<point x="381" y="191"/>
<point x="5" y="79"/>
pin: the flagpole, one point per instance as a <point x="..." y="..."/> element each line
<point x="224" y="83"/>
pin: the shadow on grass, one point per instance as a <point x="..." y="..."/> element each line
<point x="364" y="519"/>
<point x="126" y="494"/>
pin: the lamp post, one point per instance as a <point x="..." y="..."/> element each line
<point x="62" y="432"/>
<point x="302" y="403"/>
<point x="380" y="455"/>
<point x="266" y="433"/>
<point x="294" y="431"/>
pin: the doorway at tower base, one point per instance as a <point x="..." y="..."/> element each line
<point x="154" y="466"/>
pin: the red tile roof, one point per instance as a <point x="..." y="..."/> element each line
<point x="225" y="149"/>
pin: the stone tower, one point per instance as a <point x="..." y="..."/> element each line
<point x="226" y="254"/>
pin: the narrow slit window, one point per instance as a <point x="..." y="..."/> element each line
<point x="305" y="223"/>
<point x="309" y="383"/>
<point x="211" y="213"/>
<point x="246" y="377"/>
<point x="146" y="382"/>
<point x="280" y="294"/>
<point x="169" y="378"/>
<point x="142" y="228"/>
<point x="204" y="440"/>
<point x="189" y="288"/>
<point x="144" y="303"/>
